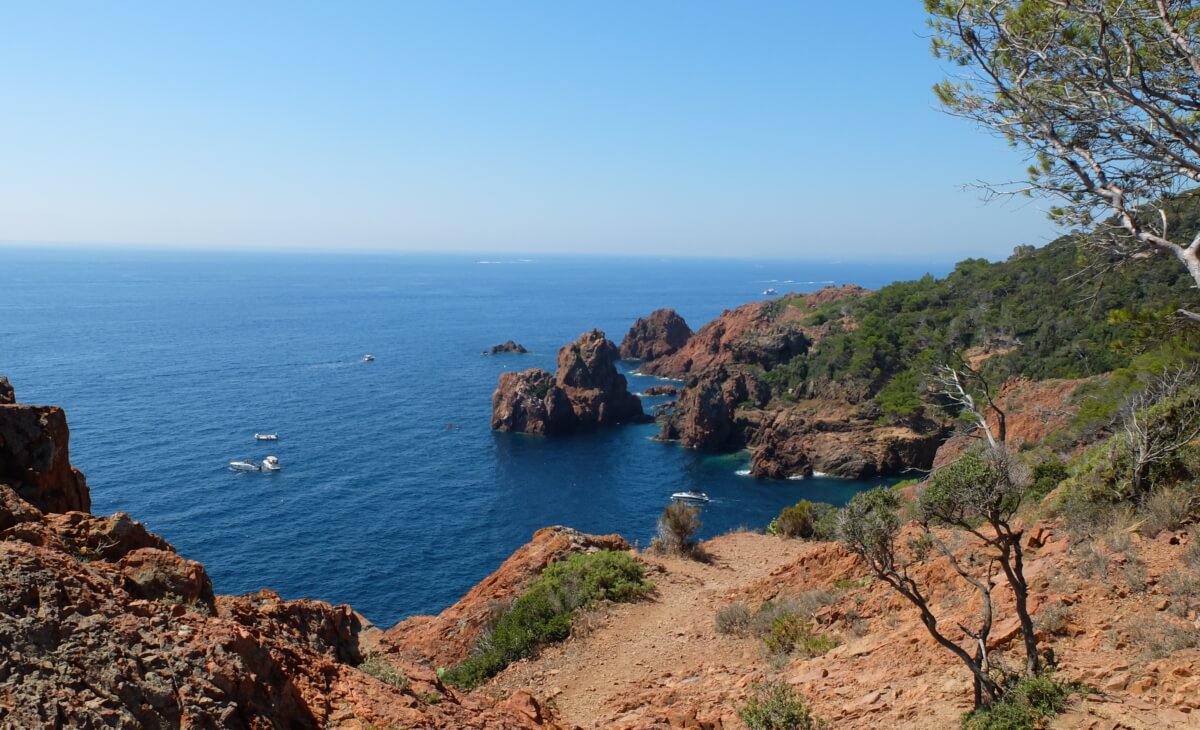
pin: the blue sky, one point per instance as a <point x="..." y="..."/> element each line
<point x="777" y="129"/>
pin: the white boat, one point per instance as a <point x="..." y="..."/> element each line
<point x="368" y="358"/>
<point x="271" y="463"/>
<point x="266" y="436"/>
<point x="768" y="292"/>
<point x="693" y="497"/>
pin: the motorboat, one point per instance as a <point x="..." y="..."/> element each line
<point x="690" y="497"/>
<point x="769" y="292"/>
<point x="271" y="463"/>
<point x="266" y="436"/>
<point x="368" y="358"/>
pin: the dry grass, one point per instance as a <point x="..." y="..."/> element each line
<point x="1168" y="508"/>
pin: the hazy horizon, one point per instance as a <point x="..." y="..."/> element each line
<point x="775" y="131"/>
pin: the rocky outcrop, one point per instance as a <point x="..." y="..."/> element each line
<point x="447" y="639"/>
<point x="798" y="442"/>
<point x="585" y="393"/>
<point x="765" y="333"/>
<point x="7" y="396"/>
<point x="103" y="624"/>
<point x="658" y="390"/>
<point x="508" y="346"/>
<point x="660" y="334"/>
<point x="1033" y="409"/>
<point x="705" y="415"/>
<point x="35" y="459"/>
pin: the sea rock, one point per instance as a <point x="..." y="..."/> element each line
<point x="7" y="396"/>
<point x="656" y="390"/>
<point x="508" y="346"/>
<point x="447" y="639"/>
<point x="705" y="412"/>
<point x="660" y="334"/>
<point x="35" y="460"/>
<point x="586" y="392"/>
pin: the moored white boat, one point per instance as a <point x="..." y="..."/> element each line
<point x="266" y="436"/>
<point x="368" y="358"/>
<point x="271" y="463"/>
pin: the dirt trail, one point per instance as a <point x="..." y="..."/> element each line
<point x="670" y="641"/>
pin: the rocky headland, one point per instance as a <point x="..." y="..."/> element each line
<point x="585" y="392"/>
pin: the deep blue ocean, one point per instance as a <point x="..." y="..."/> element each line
<point x="167" y="365"/>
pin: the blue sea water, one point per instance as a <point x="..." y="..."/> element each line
<point x="395" y="496"/>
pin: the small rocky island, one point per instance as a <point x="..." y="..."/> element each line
<point x="585" y="392"/>
<point x="508" y="346"/>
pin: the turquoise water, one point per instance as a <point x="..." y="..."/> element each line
<point x="168" y="364"/>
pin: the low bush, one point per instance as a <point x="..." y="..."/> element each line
<point x="785" y="629"/>
<point x="1167" y="508"/>
<point x="776" y="706"/>
<point x="733" y="619"/>
<point x="1053" y="620"/>
<point x="1027" y="703"/>
<point x="380" y="668"/>
<point x="677" y="527"/>
<point x="543" y="613"/>
<point x="806" y="520"/>
<point x="1163" y="637"/>
<point x="1047" y="475"/>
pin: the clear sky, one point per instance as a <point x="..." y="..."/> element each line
<point x="798" y="128"/>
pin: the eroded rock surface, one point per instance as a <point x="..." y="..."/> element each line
<point x="508" y="346"/>
<point x="35" y="459"/>
<point x="657" y="335"/>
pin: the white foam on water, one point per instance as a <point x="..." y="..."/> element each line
<point x="742" y="472"/>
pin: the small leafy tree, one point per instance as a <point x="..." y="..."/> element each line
<point x="980" y="493"/>
<point x="870" y="526"/>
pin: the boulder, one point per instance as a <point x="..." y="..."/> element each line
<point x="660" y="334"/>
<point x="7" y="396"/>
<point x="162" y="575"/>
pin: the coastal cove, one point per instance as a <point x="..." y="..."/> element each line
<point x="395" y="496"/>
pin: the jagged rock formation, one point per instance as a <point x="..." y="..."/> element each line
<point x="103" y="624"/>
<point x="508" y="346"/>
<point x="705" y="415"/>
<point x="447" y="639"/>
<point x="34" y="456"/>
<point x="586" y="392"/>
<point x="660" y="334"/>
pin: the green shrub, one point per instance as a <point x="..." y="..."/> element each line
<point x="544" y="611"/>
<point x="776" y="706"/>
<point x="784" y="629"/>
<point x="1027" y="703"/>
<point x="733" y="619"/>
<point x="677" y="525"/>
<point x="807" y="520"/>
<point x="1046" y="476"/>
<point x="380" y="668"/>
<point x="1167" y="508"/>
